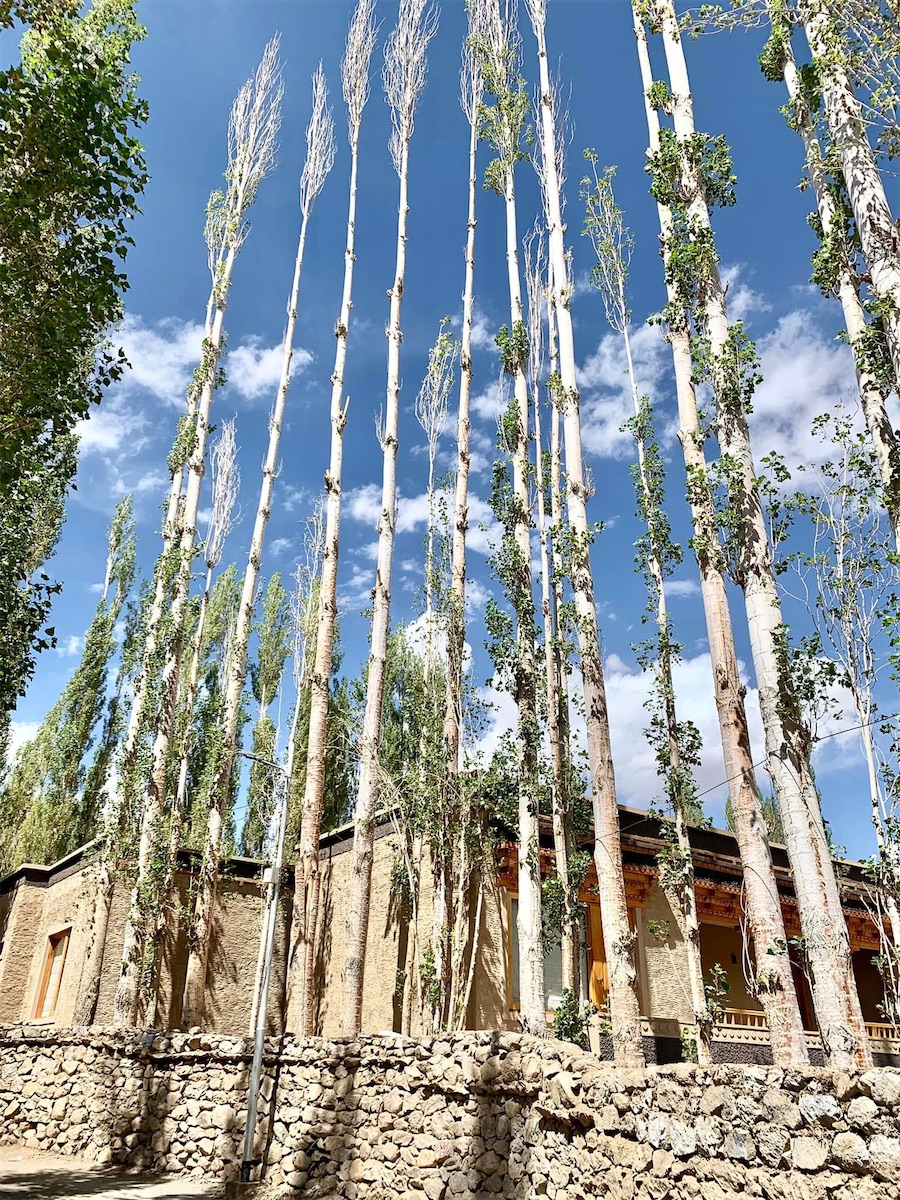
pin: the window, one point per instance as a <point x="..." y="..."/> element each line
<point x="51" y="976"/>
<point x="552" y="963"/>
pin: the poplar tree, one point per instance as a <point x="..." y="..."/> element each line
<point x="320" y="150"/>
<point x="71" y="177"/>
<point x="226" y="485"/>
<point x="848" y="583"/>
<point x="274" y="638"/>
<point x="677" y="743"/>
<point x="355" y="83"/>
<point x="617" y="935"/>
<point x="404" y="78"/>
<point x="844" y="115"/>
<point x="471" y="85"/>
<point x="45" y="807"/>
<point x="503" y="126"/>
<point x="774" y="983"/>
<point x="836" y="267"/>
<point x="252" y="136"/>
<point x="564" y="846"/>
<point x="691" y="172"/>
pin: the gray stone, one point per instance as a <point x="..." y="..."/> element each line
<point x="739" y="1145"/>
<point x="658" y="1130"/>
<point x="819" y="1109"/>
<point x="808" y="1154"/>
<point x="862" y="1112"/>
<point x="682" y="1139"/>
<point x="714" y="1100"/>
<point x="885" y="1155"/>
<point x="883" y="1086"/>
<point x="850" y="1151"/>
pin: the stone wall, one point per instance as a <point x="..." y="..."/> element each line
<point x="472" y="1116"/>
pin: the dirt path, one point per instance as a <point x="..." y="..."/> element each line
<point x="27" y="1174"/>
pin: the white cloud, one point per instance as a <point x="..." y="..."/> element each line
<point x="677" y="588"/>
<point x="364" y="504"/>
<point x="113" y="427"/>
<point x="483" y="333"/>
<point x="627" y="689"/>
<point x="606" y="392"/>
<point x="163" y="355"/>
<point x="280" y="545"/>
<point x="20" y="734"/>
<point x="254" y="370"/>
<point x="743" y="300"/>
<point x="804" y="375"/>
<point x="70" y="646"/>
<point x="487" y="404"/>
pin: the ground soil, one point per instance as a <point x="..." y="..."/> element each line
<point x="27" y="1174"/>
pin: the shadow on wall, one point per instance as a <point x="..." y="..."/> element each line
<point x="324" y="965"/>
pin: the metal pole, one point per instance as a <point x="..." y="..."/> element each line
<point x="269" y="926"/>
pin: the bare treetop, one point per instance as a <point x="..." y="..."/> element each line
<point x="226" y="484"/>
<point x="471" y="80"/>
<point x="405" y="68"/>
<point x="612" y="241"/>
<point x="319" y="144"/>
<point x="355" y="64"/>
<point x="252" y="138"/>
<point x="537" y="11"/>
<point x="535" y="288"/>
<point x="562" y="138"/>
<point x="432" y="400"/>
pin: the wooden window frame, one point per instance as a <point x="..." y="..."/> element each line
<point x="53" y="940"/>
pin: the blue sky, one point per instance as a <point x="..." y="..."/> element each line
<point x="196" y="55"/>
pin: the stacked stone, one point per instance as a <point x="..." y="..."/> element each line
<point x="475" y="1115"/>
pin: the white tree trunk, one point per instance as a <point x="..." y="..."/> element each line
<point x="143" y="896"/>
<point x="207" y="890"/>
<point x="617" y="935"/>
<point x="306" y="871"/>
<point x="457" y="624"/>
<point x="686" y="901"/>
<point x="761" y="899"/>
<point x="357" y="917"/>
<point x="563" y="842"/>
<point x="787" y="744"/>
<point x="878" y="233"/>
<point x="532" y="999"/>
<point x="872" y="397"/>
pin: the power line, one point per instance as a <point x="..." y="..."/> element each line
<point x="816" y="740"/>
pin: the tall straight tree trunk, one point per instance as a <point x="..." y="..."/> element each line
<point x="875" y="222"/>
<point x="788" y="745"/>
<point x="404" y="77"/>
<point x="307" y="879"/>
<point x="761" y="899"/>
<point x="558" y="564"/>
<point x="252" y="134"/>
<point x="686" y="900"/>
<point x="319" y="160"/>
<point x="472" y="88"/>
<point x="143" y="895"/>
<point x="617" y="935"/>
<point x="532" y="999"/>
<point x="563" y="842"/>
<point x="872" y="395"/>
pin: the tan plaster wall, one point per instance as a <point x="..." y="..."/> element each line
<point x="385" y="947"/>
<point x="489" y="1004"/>
<point x="662" y="966"/>
<point x="26" y="904"/>
<point x="724" y="944"/>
